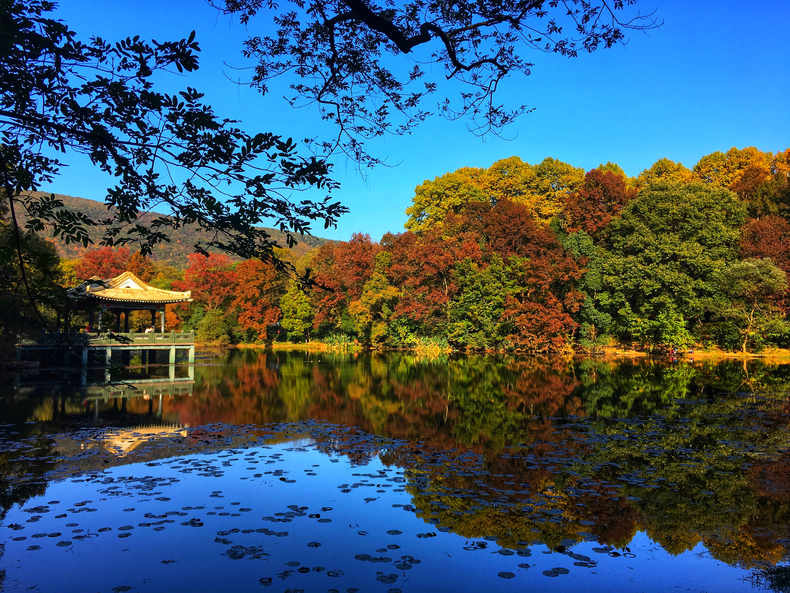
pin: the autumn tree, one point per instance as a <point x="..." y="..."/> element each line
<point x="141" y="265"/>
<point x="340" y="271"/>
<point x="541" y="295"/>
<point x="256" y="297"/>
<point x="103" y="262"/>
<point x="541" y="188"/>
<point x="550" y="186"/>
<point x="725" y="169"/>
<point x="436" y="199"/>
<point x="769" y="237"/>
<point x="421" y="266"/>
<point x="665" y="171"/>
<point x="592" y="207"/>
<point x="212" y="280"/>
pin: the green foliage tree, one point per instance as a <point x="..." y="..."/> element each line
<point x="750" y="286"/>
<point x="214" y="327"/>
<point x="18" y="314"/>
<point x="476" y="314"/>
<point x="297" y="312"/>
<point x="665" y="253"/>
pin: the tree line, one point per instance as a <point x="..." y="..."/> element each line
<point x="538" y="258"/>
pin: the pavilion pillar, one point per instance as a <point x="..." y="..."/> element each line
<point x="117" y="321"/>
<point x="101" y="314"/>
<point x="163" y="319"/>
<point x="126" y="321"/>
<point x="153" y="317"/>
<point x="90" y="320"/>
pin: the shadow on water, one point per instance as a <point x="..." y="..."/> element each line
<point x="589" y="461"/>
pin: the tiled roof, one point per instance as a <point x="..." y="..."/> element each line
<point x="129" y="288"/>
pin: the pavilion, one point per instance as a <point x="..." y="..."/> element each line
<point x="125" y="293"/>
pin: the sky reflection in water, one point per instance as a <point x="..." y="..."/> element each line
<point x="485" y="475"/>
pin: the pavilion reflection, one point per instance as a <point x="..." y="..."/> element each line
<point x="504" y="449"/>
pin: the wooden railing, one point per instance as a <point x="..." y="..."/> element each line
<point x="141" y="338"/>
<point x="112" y="339"/>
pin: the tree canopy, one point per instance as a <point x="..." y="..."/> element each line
<point x="62" y="95"/>
<point x="347" y="56"/>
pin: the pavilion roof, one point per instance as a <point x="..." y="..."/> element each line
<point x="128" y="288"/>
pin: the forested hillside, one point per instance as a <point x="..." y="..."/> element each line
<point x="174" y="251"/>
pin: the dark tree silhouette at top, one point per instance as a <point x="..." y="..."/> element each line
<point x="348" y="56"/>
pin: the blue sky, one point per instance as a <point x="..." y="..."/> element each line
<point x="715" y="75"/>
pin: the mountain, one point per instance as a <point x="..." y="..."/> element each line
<point x="182" y="240"/>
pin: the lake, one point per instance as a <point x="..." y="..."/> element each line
<point x="292" y="472"/>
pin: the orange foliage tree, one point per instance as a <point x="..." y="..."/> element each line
<point x="141" y="266"/>
<point x="257" y="294"/>
<point x="104" y="262"/>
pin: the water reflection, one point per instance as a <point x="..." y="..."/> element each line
<point x="589" y="460"/>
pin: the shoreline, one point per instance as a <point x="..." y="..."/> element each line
<point x="776" y="355"/>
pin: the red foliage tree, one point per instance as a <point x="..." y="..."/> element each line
<point x="541" y="309"/>
<point x="258" y="289"/>
<point x="212" y="280"/>
<point x="601" y="197"/>
<point x="104" y="262"/>
<point x="421" y="266"/>
<point x="341" y="270"/>
<point x="769" y="236"/>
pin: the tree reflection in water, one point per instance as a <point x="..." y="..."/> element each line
<point x="509" y="449"/>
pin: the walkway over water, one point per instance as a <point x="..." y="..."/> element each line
<point x="75" y="349"/>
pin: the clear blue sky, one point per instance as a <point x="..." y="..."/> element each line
<point x="715" y="75"/>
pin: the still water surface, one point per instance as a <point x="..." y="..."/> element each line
<point x="304" y="472"/>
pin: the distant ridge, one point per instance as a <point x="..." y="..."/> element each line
<point x="174" y="252"/>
